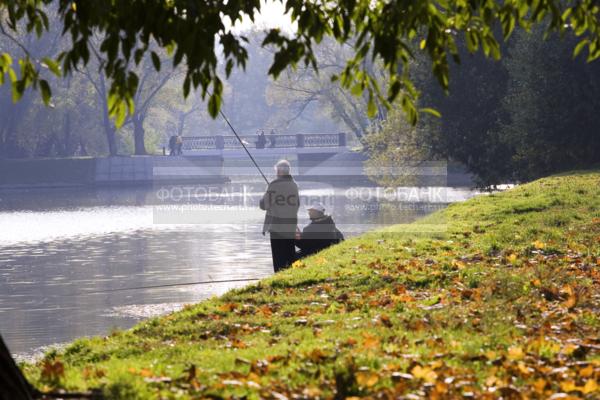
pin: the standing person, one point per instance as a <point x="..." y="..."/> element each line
<point x="281" y="202"/>
<point x="261" y="141"/>
<point x="319" y="234"/>
<point x="172" y="145"/>
<point x="179" y="144"/>
<point x="272" y="139"/>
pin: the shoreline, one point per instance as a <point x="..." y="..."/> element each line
<point x="390" y="313"/>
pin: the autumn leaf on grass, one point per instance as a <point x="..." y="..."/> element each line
<point x="321" y="261"/>
<point x="228" y="307"/>
<point x="586" y="372"/>
<point x="591" y="386"/>
<point x="571" y="301"/>
<point x="237" y="344"/>
<point x="266" y="310"/>
<point x="425" y="373"/>
<point x="367" y="378"/>
<point x="516" y="353"/>
<point x="539" y="385"/>
<point x="91" y="372"/>
<point x="385" y="320"/>
<point x="52" y="371"/>
<point x="370" y="341"/>
<point x="298" y="264"/>
<point x="538" y="245"/>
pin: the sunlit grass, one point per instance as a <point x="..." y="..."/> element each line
<point x="486" y="296"/>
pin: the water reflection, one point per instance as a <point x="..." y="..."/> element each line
<point x="59" y="249"/>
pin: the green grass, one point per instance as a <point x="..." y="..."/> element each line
<point x="489" y="297"/>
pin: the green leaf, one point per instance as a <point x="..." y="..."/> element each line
<point x="431" y="111"/>
<point x="580" y="47"/>
<point x="371" y="106"/>
<point x="214" y="105"/>
<point x="52" y="66"/>
<point x="357" y="89"/>
<point x="17" y="90"/>
<point x="46" y="92"/>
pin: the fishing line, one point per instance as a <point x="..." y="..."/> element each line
<point x="243" y="145"/>
<point x="173" y="285"/>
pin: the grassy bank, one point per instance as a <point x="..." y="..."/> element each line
<point x="505" y="302"/>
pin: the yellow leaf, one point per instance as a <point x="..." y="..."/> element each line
<point x="568" y="386"/>
<point x="539" y="385"/>
<point x="591" y="386"/>
<point x="539" y="244"/>
<point x="425" y="373"/>
<point x="298" y="264"/>
<point x="587" y="371"/>
<point x="370" y="342"/>
<point x="422" y="44"/>
<point x="459" y="264"/>
<point x="228" y="307"/>
<point x="515" y="353"/>
<point x="366" y="378"/>
<point x="321" y="261"/>
<point x="569" y="349"/>
<point x="524" y="368"/>
<point x="571" y="301"/>
<point x="512" y="258"/>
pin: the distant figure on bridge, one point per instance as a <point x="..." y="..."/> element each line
<point x="281" y="202"/>
<point x="272" y="139"/>
<point x="261" y="141"/>
<point x="172" y="145"/>
<point x="319" y="234"/>
<point x="179" y="144"/>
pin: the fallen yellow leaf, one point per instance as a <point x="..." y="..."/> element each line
<point x="515" y="353"/>
<point x="367" y="378"/>
<point x="539" y="244"/>
<point x="590" y="386"/>
<point x="425" y="373"/>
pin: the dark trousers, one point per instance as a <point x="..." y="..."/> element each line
<point x="283" y="252"/>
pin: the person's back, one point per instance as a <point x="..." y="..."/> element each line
<point x="281" y="202"/>
<point x="318" y="235"/>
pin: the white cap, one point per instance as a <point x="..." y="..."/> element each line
<point x="283" y="167"/>
<point x="317" y="207"/>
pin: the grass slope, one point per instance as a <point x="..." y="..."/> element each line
<point x="504" y="303"/>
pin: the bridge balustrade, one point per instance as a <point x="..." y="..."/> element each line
<point x="230" y="142"/>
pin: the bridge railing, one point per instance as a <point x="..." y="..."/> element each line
<point x="230" y="142"/>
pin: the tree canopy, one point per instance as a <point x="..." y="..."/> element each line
<point x="199" y="34"/>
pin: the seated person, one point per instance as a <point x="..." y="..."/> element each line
<point x="319" y="234"/>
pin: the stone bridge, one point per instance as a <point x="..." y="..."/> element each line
<point x="284" y="145"/>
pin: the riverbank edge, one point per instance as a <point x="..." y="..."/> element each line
<point x="401" y="311"/>
<point x="117" y="171"/>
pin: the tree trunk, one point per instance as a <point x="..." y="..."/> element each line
<point x="109" y="128"/>
<point x="13" y="383"/>
<point x="110" y="132"/>
<point x="138" y="136"/>
<point x="66" y="148"/>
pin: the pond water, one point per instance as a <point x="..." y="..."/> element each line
<point x="68" y="256"/>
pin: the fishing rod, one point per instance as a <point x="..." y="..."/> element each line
<point x="172" y="285"/>
<point x="243" y="145"/>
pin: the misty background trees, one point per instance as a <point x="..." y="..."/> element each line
<point x="532" y="113"/>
